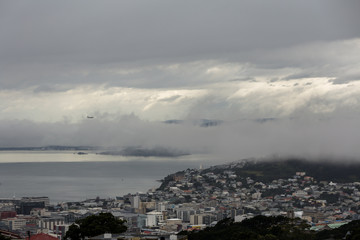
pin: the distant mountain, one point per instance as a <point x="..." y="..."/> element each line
<point x="145" y="152"/>
<point x="128" y="151"/>
<point x="49" y="148"/>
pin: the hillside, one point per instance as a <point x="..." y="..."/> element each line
<point x="267" y="171"/>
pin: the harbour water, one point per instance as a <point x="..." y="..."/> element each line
<point x="65" y="176"/>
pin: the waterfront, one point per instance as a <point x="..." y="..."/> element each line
<point x="65" y="176"/>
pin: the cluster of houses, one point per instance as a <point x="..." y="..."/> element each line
<point x="193" y="199"/>
<point x="320" y="203"/>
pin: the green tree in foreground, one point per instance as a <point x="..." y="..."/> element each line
<point x="95" y="225"/>
<point x="2" y="237"/>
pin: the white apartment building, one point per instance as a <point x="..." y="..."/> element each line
<point x="154" y="218"/>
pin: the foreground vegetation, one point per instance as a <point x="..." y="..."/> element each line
<point x="271" y="228"/>
<point x="95" y="225"/>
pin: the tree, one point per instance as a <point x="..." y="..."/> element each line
<point x="73" y="233"/>
<point x="257" y="228"/>
<point x="95" y="225"/>
<point x="2" y="237"/>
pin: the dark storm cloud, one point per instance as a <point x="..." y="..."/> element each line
<point x="45" y="41"/>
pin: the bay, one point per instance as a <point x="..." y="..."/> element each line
<point x="65" y="176"/>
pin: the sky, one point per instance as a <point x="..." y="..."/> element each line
<point x="281" y="77"/>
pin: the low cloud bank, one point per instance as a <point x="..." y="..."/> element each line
<point x="229" y="140"/>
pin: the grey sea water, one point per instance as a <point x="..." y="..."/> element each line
<point x="65" y="176"/>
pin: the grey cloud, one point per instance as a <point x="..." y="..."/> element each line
<point x="346" y="79"/>
<point x="170" y="99"/>
<point x="20" y="133"/>
<point x="48" y="88"/>
<point x="44" y="41"/>
<point x="250" y="79"/>
<point x="299" y="76"/>
<point x="274" y="79"/>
